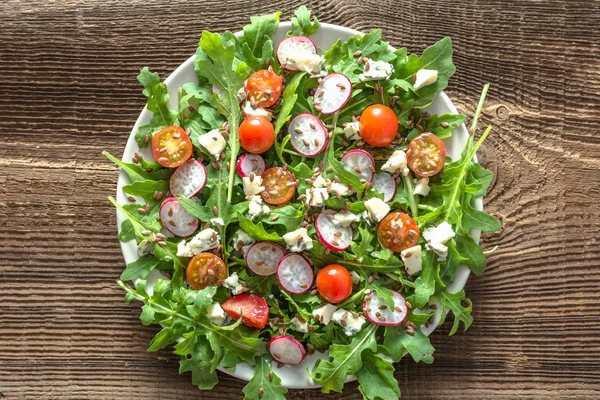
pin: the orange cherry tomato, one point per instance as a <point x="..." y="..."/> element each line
<point x="253" y="309"/>
<point x="206" y="269"/>
<point x="426" y="154"/>
<point x="398" y="231"/>
<point x="256" y="135"/>
<point x="171" y="146"/>
<point x="264" y="87"/>
<point x="334" y="283"/>
<point x="279" y="184"/>
<point x="378" y="125"/>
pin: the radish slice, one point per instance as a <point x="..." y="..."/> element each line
<point x="379" y="313"/>
<point x="360" y="162"/>
<point x="249" y="163"/>
<point x="294" y="48"/>
<point x="263" y="257"/>
<point x="188" y="179"/>
<point x="176" y="219"/>
<point x="385" y="184"/>
<point x="287" y="350"/>
<point x="307" y="134"/>
<point x="333" y="93"/>
<point x="294" y="273"/>
<point x="336" y="238"/>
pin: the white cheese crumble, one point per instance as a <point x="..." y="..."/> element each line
<point x="436" y="237"/>
<point x="422" y="186"/>
<point x="324" y="314"/>
<point x="215" y="314"/>
<point x="310" y="63"/>
<point x="217" y="221"/>
<point x="250" y="110"/>
<point x="320" y="182"/>
<point x="299" y="325"/>
<point x="411" y="258"/>
<point x="252" y="186"/>
<point x="340" y="188"/>
<point x="348" y="321"/>
<point x="352" y="131"/>
<point x="344" y="218"/>
<point x="256" y="208"/>
<point x="298" y="240"/>
<point x="213" y="142"/>
<point x="233" y="283"/>
<point x="145" y="247"/>
<point x="316" y="197"/>
<point x="242" y="242"/>
<point x="376" y="70"/>
<point x="204" y="240"/>
<point x="397" y="161"/>
<point x="377" y="209"/>
<point x="425" y="77"/>
<point x="355" y="278"/>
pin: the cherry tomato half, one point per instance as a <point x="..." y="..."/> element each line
<point x="171" y="146"/>
<point x="334" y="283"/>
<point x="205" y="269"/>
<point x="279" y="184"/>
<point x="378" y="125"/>
<point x="398" y="231"/>
<point x="253" y="309"/>
<point x="426" y="154"/>
<point x="264" y="87"/>
<point x="256" y="135"/>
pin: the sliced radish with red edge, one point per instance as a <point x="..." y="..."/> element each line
<point x="336" y="238"/>
<point x="378" y="312"/>
<point x="263" y="257"/>
<point x="188" y="179"/>
<point x="307" y="134"/>
<point x="333" y="93"/>
<point x="385" y="184"/>
<point x="287" y="350"/>
<point x="294" y="48"/>
<point x="360" y="162"/>
<point x="176" y="219"/>
<point x="249" y="163"/>
<point x="295" y="274"/>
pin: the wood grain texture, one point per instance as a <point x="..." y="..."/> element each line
<point x="67" y="78"/>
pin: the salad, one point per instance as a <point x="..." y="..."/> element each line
<point x="300" y="200"/>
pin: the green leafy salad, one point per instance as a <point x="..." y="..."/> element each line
<point x="300" y="201"/>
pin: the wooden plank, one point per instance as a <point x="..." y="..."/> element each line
<point x="69" y="92"/>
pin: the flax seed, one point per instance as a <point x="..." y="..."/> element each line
<point x="298" y="131"/>
<point x="161" y="243"/>
<point x="274" y="217"/>
<point x="131" y="198"/>
<point x="215" y="210"/>
<point x="306" y="142"/>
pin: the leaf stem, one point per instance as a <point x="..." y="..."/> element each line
<point x="352" y="299"/>
<point x="479" y="108"/>
<point x="414" y="209"/>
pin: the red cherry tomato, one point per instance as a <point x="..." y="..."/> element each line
<point x="171" y="146"/>
<point x="279" y="184"/>
<point x="398" y="231"/>
<point x="253" y="309"/>
<point x="378" y="125"/>
<point x="264" y="87"/>
<point x="256" y="135"/>
<point x="426" y="154"/>
<point x="334" y="283"/>
<point x="197" y="272"/>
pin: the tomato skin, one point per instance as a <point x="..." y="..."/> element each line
<point x="398" y="231"/>
<point x="279" y="184"/>
<point x="197" y="273"/>
<point x="378" y="125"/>
<point x="264" y="87"/>
<point x="334" y="283"/>
<point x="253" y="309"/>
<point x="426" y="154"/>
<point x="257" y="135"/>
<point x="171" y="146"/>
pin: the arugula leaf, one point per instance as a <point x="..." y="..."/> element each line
<point x="472" y="252"/>
<point x="475" y="219"/>
<point x="288" y="100"/>
<point x="136" y="172"/>
<point x="434" y="123"/>
<point x="140" y="268"/>
<point x="397" y="341"/>
<point x="158" y="96"/>
<point x="264" y="384"/>
<point x="453" y="302"/>
<point x="345" y="176"/>
<point x="425" y="282"/>
<point x="257" y="231"/>
<point x="146" y="189"/>
<point x="288" y="216"/>
<point x="258" y="31"/>
<point x="344" y="360"/>
<point x="198" y="362"/>
<point x="302" y="25"/>
<point x="376" y="378"/>
<point x="127" y="232"/>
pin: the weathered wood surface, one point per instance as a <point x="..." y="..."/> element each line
<point x="67" y="78"/>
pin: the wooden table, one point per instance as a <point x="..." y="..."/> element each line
<point x="67" y="78"/>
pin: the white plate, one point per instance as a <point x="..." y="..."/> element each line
<point x="291" y="376"/>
